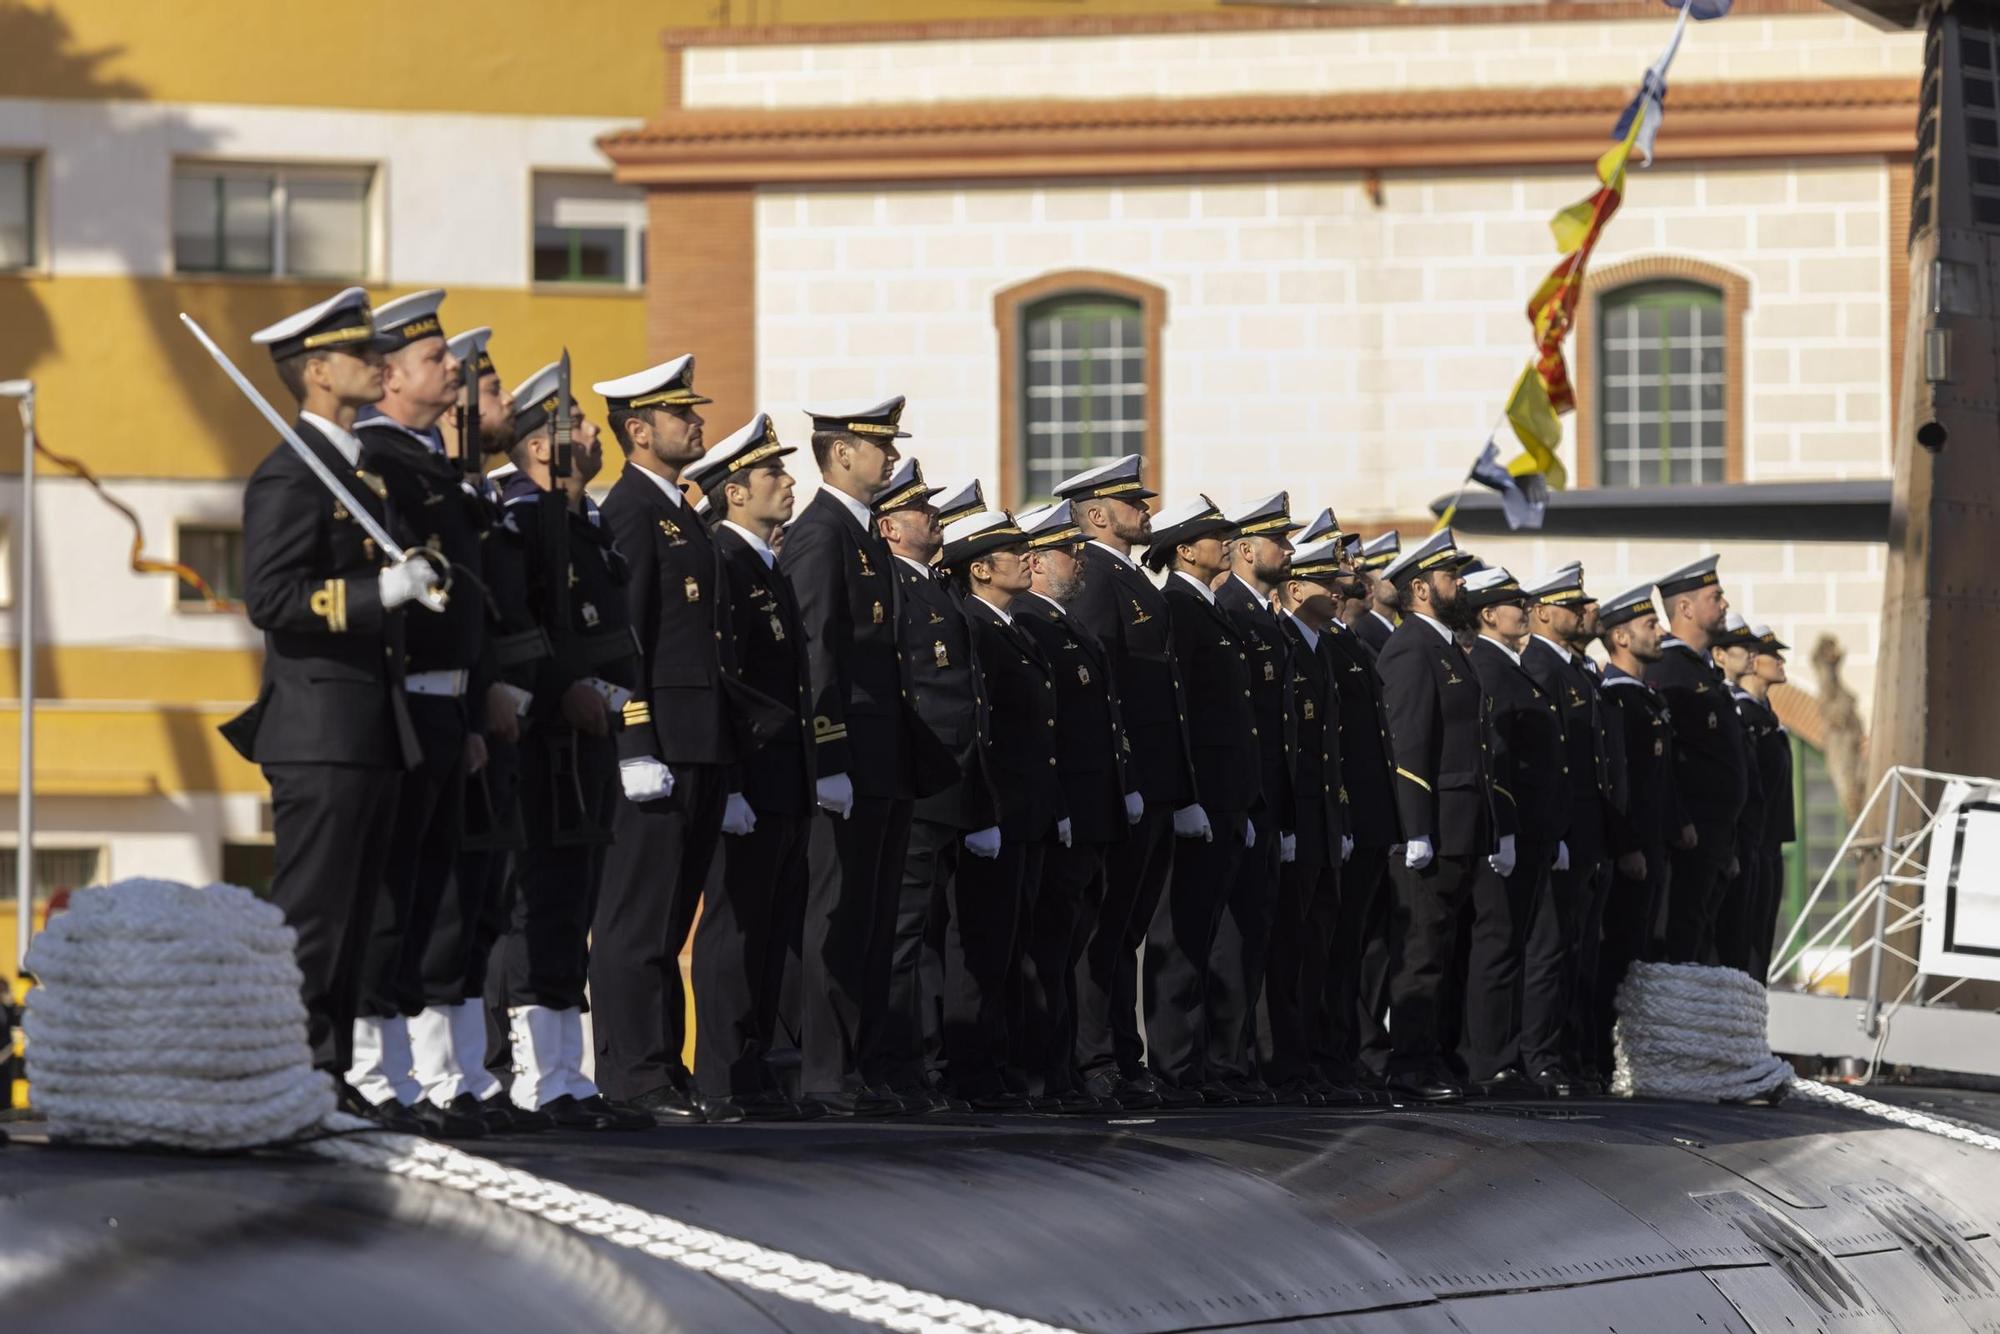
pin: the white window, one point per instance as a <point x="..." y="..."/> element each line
<point x="589" y="229"/>
<point x="215" y="552"/>
<point x="17" y="213"/>
<point x="282" y="221"/>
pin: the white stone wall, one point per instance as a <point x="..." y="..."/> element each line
<point x="1306" y="60"/>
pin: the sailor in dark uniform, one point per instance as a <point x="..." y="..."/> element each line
<point x="1307" y="918"/>
<point x="1218" y="828"/>
<point x="569" y="762"/>
<point x="946" y="827"/>
<point x="1736" y="655"/>
<point x="1258" y="556"/>
<point x="1090" y="752"/>
<point x="1773" y="745"/>
<point x="1528" y="779"/>
<point x="400" y="444"/>
<point x="330" y="727"/>
<point x="755" y="903"/>
<point x="985" y="555"/>
<point x="1118" y="604"/>
<point x="1385" y="606"/>
<point x="1650" y="820"/>
<point x="1710" y="759"/>
<point x="1438" y="722"/>
<point x="864" y="734"/>
<point x="675" y="750"/>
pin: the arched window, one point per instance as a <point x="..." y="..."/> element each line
<point x="1080" y="360"/>
<point x="1660" y="375"/>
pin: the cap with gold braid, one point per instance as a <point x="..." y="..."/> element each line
<point x="882" y="421"/>
<point x="1690" y="577"/>
<point x="470" y="349"/>
<point x="1318" y="561"/>
<point x="667" y="385"/>
<point x="1269" y="517"/>
<point x="1117" y="480"/>
<point x="1491" y="586"/>
<point x="1051" y="526"/>
<point x="1377" y="553"/>
<point x="535" y="400"/>
<point x="1320" y="525"/>
<point x="1189" y="521"/>
<point x="753" y="443"/>
<point x="907" y="488"/>
<point x="980" y="535"/>
<point x="1439" y="552"/>
<point x="958" y="502"/>
<point x="1767" y="640"/>
<point x="1627" y="606"/>
<point x="1562" y="588"/>
<point x="410" y="319"/>
<point x="341" y="323"/>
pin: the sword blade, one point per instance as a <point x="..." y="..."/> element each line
<point x="369" y="523"/>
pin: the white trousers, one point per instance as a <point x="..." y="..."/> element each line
<point x="548" y="1055"/>
<point x="383" y="1062"/>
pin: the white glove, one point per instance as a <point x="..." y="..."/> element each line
<point x="1502" y="861"/>
<point x="645" y="779"/>
<point x="1417" y="854"/>
<point x="1249" y="833"/>
<point x="1562" y="856"/>
<point x="835" y="794"/>
<point x="1288" y="847"/>
<point x="415" y="579"/>
<point x="985" y="842"/>
<point x="737" y="817"/>
<point x="1346" y="848"/>
<point x="1065" y="830"/>
<point x="1192" y="822"/>
<point x="1135" y="807"/>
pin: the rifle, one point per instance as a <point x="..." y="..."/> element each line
<point x="470" y="456"/>
<point x="570" y="817"/>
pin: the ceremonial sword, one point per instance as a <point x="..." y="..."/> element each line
<point x="369" y="523"/>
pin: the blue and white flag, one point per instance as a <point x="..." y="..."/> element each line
<point x="1524" y="499"/>
<point x="1649" y="105"/>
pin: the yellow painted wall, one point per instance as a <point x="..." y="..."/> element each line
<point x="583" y="57"/>
<point x="136" y="752"/>
<point x="123" y="386"/>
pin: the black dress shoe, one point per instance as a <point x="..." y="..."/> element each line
<point x="1426" y="1086"/>
<point x="1589" y="1083"/>
<point x="1250" y="1092"/>
<point x="444" y="1123"/>
<point x="1509" y="1083"/>
<point x="669" y="1106"/>
<point x="861" y="1105"/>
<point x="719" y="1111"/>
<point x="390" y="1115"/>
<point x="1215" y="1093"/>
<point x="1555" y="1082"/>
<point x="502" y="1117"/>
<point x="1138" y="1094"/>
<point x="768" y="1106"/>
<point x="999" y="1101"/>
<point x="1297" y="1093"/>
<point x="904" y="1106"/>
<point x="1075" y="1102"/>
<point x="618" y="1115"/>
<point x="1046" y="1103"/>
<point x="1340" y="1093"/>
<point x="1174" y="1097"/>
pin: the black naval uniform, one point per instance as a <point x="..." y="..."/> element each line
<point x="1373" y="629"/>
<point x="437" y="512"/>
<point x="330" y="726"/>
<point x="1356" y="993"/>
<point x="1528" y="775"/>
<point x="1562" y="937"/>
<point x="1711" y="774"/>
<point x="1184" y="1000"/>
<point x="1065" y="906"/>
<point x="756" y="901"/>
<point x="568" y="779"/>
<point x="1646" y="823"/>
<point x="988" y="898"/>
<point x="1128" y="615"/>
<point x="950" y="701"/>
<point x="844" y="578"/>
<point x="1241" y="955"/>
<point x="1438" y="720"/>
<point x="1306" y="922"/>
<point x="679" y="599"/>
<point x="1753" y="910"/>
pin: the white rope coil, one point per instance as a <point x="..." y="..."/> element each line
<point x="1695" y="1033"/>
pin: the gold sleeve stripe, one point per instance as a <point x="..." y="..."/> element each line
<point x="1505" y="793"/>
<point x="1413" y="778"/>
<point x="637" y="711"/>
<point x="329" y="603"/>
<point x="831" y="734"/>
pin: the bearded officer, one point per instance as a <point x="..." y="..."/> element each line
<point x="1438" y="720"/>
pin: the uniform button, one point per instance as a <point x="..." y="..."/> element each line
<point x="1246" y="694"/>
<point x="1253" y="731"/>
<point x="1052" y="763"/>
<point x="1052" y="722"/>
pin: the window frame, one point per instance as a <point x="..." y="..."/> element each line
<point x="195" y="606"/>
<point x="1011" y="308"/>
<point x="636" y="238"/>
<point x="38" y="231"/>
<point x="283" y="173"/>
<point x="1603" y="284"/>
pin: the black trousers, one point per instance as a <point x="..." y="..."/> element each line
<point x="984" y="936"/>
<point x="739" y="954"/>
<point x="1062" y="913"/>
<point x="471" y="916"/>
<point x="904" y="1043"/>
<point x="1549" y="970"/>
<point x="855" y="879"/>
<point x="1741" y="909"/>
<point x="1499" y="934"/>
<point x="543" y="957"/>
<point x="1763" y="939"/>
<point x="1107" y="1009"/>
<point x="1589" y="1028"/>
<point x="1180" y="949"/>
<point x="1305" y="921"/>
<point x="1354" y="995"/>
<point x="1629" y="909"/>
<point x="330" y="825"/>
<point x="654" y="873"/>
<point x="1694" y="895"/>
<point x="1240" y="955"/>
<point x="1423" y="944"/>
<point x="423" y="839"/>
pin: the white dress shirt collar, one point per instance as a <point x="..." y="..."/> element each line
<point x="1384" y="619"/>
<point x="672" y="489"/>
<point x="1311" y="635"/>
<point x="1560" y="651"/>
<point x="1124" y="557"/>
<point x="1502" y="646"/>
<point x="925" y="570"/>
<point x="1435" y="624"/>
<point x="1206" y="591"/>
<point x="757" y="544"/>
<point x="862" y="514"/>
<point x="1005" y="619"/>
<point x="345" y="442"/>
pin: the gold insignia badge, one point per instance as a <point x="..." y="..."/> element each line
<point x="375" y="484"/>
<point x="340" y="512"/>
<point x="1575" y="700"/>
<point x="1270" y="672"/>
<point x="1083" y="674"/>
<point x="1711" y="720"/>
<point x="589" y="611"/>
<point x="368" y="547"/>
<point x="777" y="628"/>
<point x="673" y="532"/>
<point x="1451" y="677"/>
<point x="878" y="613"/>
<point x="941" y="654"/>
<point x="866" y="568"/>
<point x="691" y="589"/>
<point x="1139" y="614"/>
<point x="1309" y="711"/>
<point x="935" y="618"/>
